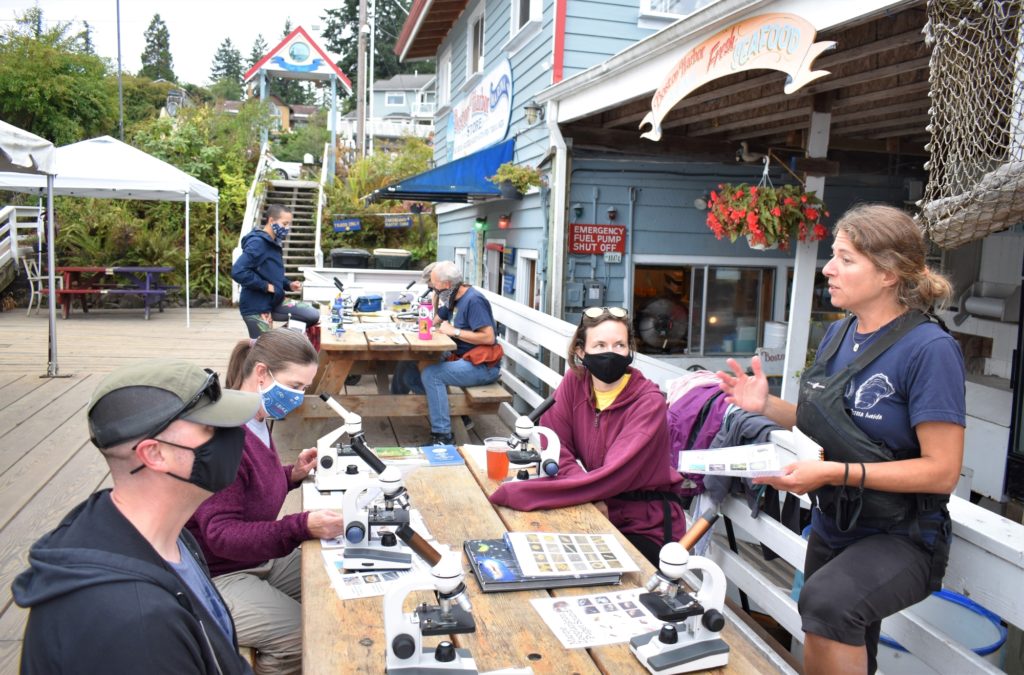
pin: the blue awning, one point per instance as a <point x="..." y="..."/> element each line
<point x="461" y="180"/>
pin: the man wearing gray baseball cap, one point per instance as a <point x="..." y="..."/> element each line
<point x="120" y="586"/>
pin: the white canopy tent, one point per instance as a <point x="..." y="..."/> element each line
<point x="30" y="156"/>
<point x="106" y="168"/>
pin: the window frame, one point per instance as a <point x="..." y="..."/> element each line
<point x="389" y="104"/>
<point x="520" y="30"/>
<point x="444" y="78"/>
<point x="477" y="18"/>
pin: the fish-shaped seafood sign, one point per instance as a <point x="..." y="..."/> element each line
<point x="783" y="42"/>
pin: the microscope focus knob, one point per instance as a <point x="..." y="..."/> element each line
<point x="327" y="461"/>
<point x="404" y="646"/>
<point x="549" y="467"/>
<point x="351" y="470"/>
<point x="713" y="620"/>
<point x="388" y="539"/>
<point x="445" y="652"/>
<point x="668" y="634"/>
<point x="522" y="474"/>
<point x="355" y="532"/>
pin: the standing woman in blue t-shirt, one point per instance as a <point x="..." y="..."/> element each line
<point x="885" y="399"/>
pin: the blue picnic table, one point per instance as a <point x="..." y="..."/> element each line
<point x="85" y="282"/>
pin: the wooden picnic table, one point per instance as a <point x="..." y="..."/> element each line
<point x="83" y="282"/>
<point x="358" y="351"/>
<point x="348" y="636"/>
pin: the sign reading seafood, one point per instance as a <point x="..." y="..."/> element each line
<point x="783" y="42"/>
<point x="481" y="117"/>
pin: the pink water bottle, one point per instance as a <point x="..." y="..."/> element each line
<point x="426" y="319"/>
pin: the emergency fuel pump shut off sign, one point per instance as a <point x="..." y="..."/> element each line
<point x="596" y="239"/>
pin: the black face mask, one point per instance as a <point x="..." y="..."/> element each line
<point x="447" y="296"/>
<point x="216" y="463"/>
<point x="608" y="367"/>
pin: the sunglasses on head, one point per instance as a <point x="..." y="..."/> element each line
<point x="598" y="312"/>
<point x="210" y="388"/>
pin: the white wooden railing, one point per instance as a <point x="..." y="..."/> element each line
<point x="16" y="223"/>
<point x="253" y="211"/>
<point x="321" y="201"/>
<point x="986" y="559"/>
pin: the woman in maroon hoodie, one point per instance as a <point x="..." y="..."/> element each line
<point x="611" y="421"/>
<point x="253" y="555"/>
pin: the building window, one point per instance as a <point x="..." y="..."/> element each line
<point x="527" y="278"/>
<point x="394" y="98"/>
<point x="675" y="8"/>
<point x="701" y="309"/>
<point x="475" y="45"/>
<point x="444" y="77"/>
<point x="523" y="12"/>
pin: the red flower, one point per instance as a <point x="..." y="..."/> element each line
<point x="714" y="197"/>
<point x="819" y="231"/>
<point x="751" y="219"/>
<point x="776" y="212"/>
<point x="789" y="201"/>
<point x="803" y="199"/>
<point x="811" y="214"/>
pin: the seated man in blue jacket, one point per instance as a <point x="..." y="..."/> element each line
<point x="260" y="273"/>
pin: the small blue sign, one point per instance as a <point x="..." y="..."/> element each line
<point x="392" y="220"/>
<point x="509" y="284"/>
<point x="347" y="224"/>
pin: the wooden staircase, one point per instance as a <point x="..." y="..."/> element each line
<point x="299" y="197"/>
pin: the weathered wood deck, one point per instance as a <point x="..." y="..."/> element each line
<point x="48" y="465"/>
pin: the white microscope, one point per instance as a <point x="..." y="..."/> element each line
<point x="525" y="447"/>
<point x="338" y="466"/>
<point x="366" y="549"/>
<point x="690" y="639"/>
<point x="404" y="632"/>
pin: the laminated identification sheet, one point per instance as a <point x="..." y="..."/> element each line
<point x="592" y="620"/>
<point x="558" y="554"/>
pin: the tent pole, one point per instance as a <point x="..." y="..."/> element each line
<point x="216" y="253"/>
<point x="51" y="367"/>
<point x="188" y="305"/>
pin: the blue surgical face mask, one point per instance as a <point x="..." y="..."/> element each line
<point x="280" y="231"/>
<point x="279" y="400"/>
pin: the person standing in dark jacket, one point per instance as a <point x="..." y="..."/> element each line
<point x="260" y="273"/>
<point x="119" y="586"/>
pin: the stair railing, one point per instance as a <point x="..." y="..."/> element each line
<point x="253" y="211"/>
<point x="321" y="201"/>
<point x="17" y="223"/>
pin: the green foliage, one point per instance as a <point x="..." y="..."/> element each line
<point x="413" y="156"/>
<point x="226" y="72"/>
<point x="341" y="37"/>
<point x="157" y="61"/>
<point x="310" y="137"/>
<point x="143" y="98"/>
<point x="521" y="176"/>
<point x="50" y="87"/>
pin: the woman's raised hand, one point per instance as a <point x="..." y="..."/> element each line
<point x="749" y="392"/>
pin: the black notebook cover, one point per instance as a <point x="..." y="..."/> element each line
<point x="496" y="570"/>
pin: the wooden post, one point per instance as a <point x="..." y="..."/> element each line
<point x="806" y="262"/>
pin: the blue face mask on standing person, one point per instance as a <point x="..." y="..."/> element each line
<point x="279" y="400"/>
<point x="280" y="231"/>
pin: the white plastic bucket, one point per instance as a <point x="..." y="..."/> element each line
<point x="774" y="334"/>
<point x="950" y="613"/>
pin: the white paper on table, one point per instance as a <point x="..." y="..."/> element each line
<point x="601" y="619"/>
<point x="355" y="585"/>
<point x="476" y="453"/>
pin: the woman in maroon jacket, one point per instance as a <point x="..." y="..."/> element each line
<point x="253" y="555"/>
<point x="611" y="421"/>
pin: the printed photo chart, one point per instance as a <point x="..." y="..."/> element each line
<point x="554" y="554"/>
<point x="593" y="620"/>
<point x="743" y="461"/>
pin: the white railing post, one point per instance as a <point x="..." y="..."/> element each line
<point x="321" y="198"/>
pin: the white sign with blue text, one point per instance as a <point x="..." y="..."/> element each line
<point x="481" y="118"/>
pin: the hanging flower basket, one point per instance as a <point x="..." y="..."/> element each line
<point x="769" y="217"/>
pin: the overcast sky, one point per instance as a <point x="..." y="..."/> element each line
<point x="196" y="27"/>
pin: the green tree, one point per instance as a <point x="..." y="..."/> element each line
<point x="226" y="72"/>
<point x="308" y="138"/>
<point x="258" y="51"/>
<point x="49" y="87"/>
<point x="342" y="37"/>
<point x="85" y="39"/>
<point x="157" y="62"/>
<point x="143" y="98"/>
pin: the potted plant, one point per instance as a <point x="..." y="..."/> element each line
<point x="515" y="180"/>
<point x="769" y="217"/>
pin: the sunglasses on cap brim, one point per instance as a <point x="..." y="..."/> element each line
<point x="598" y="312"/>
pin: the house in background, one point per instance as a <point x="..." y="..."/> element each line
<point x="401" y="106"/>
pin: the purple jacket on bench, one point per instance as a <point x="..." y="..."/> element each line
<point x="238" y="527"/>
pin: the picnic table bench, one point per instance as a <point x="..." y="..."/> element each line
<point x="84" y="282"/>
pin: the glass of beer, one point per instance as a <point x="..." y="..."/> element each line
<point x="497" y="457"/>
